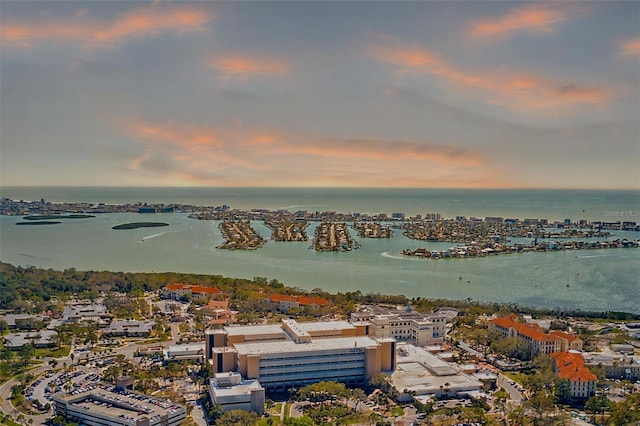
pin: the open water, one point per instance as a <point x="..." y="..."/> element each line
<point x="588" y="280"/>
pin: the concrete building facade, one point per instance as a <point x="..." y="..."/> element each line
<point x="293" y="354"/>
<point x="104" y="408"/>
<point x="232" y="392"/>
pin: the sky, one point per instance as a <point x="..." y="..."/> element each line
<point x="477" y="94"/>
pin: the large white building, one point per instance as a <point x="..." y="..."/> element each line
<point x="232" y="392"/>
<point x="402" y="324"/>
<point x="100" y="407"/>
<point x="293" y="354"/>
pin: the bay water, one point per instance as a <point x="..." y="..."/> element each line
<point x="589" y="280"/>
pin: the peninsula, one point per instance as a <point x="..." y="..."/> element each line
<point x="240" y="235"/>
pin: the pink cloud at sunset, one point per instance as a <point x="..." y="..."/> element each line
<point x="242" y="66"/>
<point x="516" y="90"/>
<point x="536" y="18"/>
<point x="630" y="47"/>
<point x="135" y="23"/>
<point x="242" y="156"/>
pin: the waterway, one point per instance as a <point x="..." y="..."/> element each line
<point x="589" y="280"/>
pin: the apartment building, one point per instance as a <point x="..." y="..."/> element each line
<point x="285" y="302"/>
<point x="176" y="290"/>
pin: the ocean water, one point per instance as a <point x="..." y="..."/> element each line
<point x="588" y="280"/>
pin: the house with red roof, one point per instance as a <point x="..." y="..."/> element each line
<point x="570" y="366"/>
<point x="176" y="291"/>
<point x="285" y="302"/>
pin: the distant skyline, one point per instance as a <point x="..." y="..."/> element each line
<point x="489" y="94"/>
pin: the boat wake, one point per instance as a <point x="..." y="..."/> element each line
<point x="592" y="256"/>
<point x="390" y="256"/>
<point x="148" y="237"/>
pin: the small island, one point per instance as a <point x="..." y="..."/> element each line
<point x="136" y="225"/>
<point x="58" y="216"/>
<point x="40" y="222"/>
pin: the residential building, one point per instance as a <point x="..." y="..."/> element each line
<point x="293" y="354"/>
<point x="285" y="302"/>
<point x="232" y="392"/>
<point x="100" y="407"/>
<point x="176" y="291"/>
<point x="570" y="366"/>
<point x="539" y="341"/>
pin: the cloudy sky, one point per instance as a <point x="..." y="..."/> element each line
<point x="385" y="94"/>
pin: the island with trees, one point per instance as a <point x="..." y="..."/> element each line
<point x="136" y="225"/>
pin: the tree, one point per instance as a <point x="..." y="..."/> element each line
<point x="26" y="353"/>
<point x="562" y="392"/>
<point x="541" y="403"/>
<point x="597" y="404"/>
<point x="299" y="421"/>
<point x="238" y="418"/>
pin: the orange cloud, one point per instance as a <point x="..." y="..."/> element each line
<point x="536" y="18"/>
<point x="630" y="47"/>
<point x="245" y="66"/>
<point x="238" y="156"/>
<point x="135" y="23"/>
<point x="516" y="90"/>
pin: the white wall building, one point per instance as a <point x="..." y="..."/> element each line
<point x="231" y="392"/>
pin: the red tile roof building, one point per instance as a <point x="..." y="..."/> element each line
<point x="570" y="366"/>
<point x="286" y="302"/>
<point x="568" y="341"/>
<point x="177" y="290"/>
<point x="541" y="342"/>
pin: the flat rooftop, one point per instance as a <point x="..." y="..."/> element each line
<point x="409" y="354"/>
<point x="128" y="406"/>
<point x="415" y="377"/>
<point x="244" y="388"/>
<point x="310" y="327"/>
<point x="249" y="330"/>
<point x="263" y="348"/>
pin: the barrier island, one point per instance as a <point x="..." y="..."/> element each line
<point x="58" y="216"/>
<point x="136" y="225"/>
<point x="40" y="222"/>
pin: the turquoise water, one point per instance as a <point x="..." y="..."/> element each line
<point x="589" y="280"/>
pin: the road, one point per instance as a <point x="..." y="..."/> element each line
<point x="5" y="393"/>
<point x="514" y="394"/>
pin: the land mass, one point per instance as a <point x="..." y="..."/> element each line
<point x="40" y="222"/>
<point x="58" y="216"/>
<point x="136" y="225"/>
